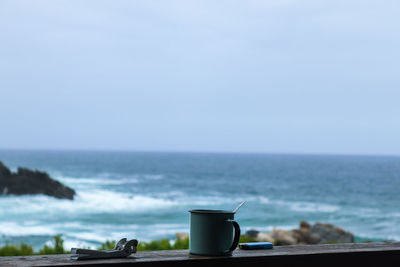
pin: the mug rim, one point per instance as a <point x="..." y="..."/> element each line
<point x="206" y="211"/>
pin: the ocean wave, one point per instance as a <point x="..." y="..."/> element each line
<point x="21" y="229"/>
<point x="73" y="181"/>
<point x="312" y="207"/>
<point x="90" y="232"/>
<point x="153" y="176"/>
<point x="371" y="234"/>
<point x="364" y="212"/>
<point x="210" y="201"/>
<point x="143" y="233"/>
<point x="171" y="194"/>
<point x="269" y="228"/>
<point x="264" y="200"/>
<point x="301" y="206"/>
<point x="107" y="179"/>
<point x="93" y="236"/>
<point x="105" y="201"/>
<point x="95" y="201"/>
<point x="108" y="201"/>
<point x="371" y="213"/>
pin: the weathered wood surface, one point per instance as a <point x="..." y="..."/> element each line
<point x="361" y="254"/>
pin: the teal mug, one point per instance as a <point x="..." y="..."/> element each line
<point x="211" y="232"/>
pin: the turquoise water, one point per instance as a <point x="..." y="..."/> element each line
<point x="148" y="195"/>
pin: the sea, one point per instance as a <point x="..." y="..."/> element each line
<point x="147" y="195"/>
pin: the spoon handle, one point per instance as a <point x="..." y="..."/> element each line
<point x="238" y="207"/>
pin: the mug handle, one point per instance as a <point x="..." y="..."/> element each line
<point x="237" y="236"/>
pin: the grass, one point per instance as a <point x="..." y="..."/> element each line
<point x="21" y="250"/>
<point x="25" y="250"/>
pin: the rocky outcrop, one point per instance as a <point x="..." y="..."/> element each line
<point x="319" y="233"/>
<point x="181" y="236"/>
<point x="329" y="233"/>
<point x="28" y="182"/>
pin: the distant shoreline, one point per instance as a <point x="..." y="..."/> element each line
<point x="133" y="151"/>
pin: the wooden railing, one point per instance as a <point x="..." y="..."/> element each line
<point x="358" y="254"/>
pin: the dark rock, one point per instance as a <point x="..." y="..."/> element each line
<point x="259" y="236"/>
<point x="304" y="235"/>
<point x="28" y="182"/>
<point x="4" y="171"/>
<point x="252" y="233"/>
<point x="320" y="233"/>
<point x="329" y="233"/>
<point x="283" y="237"/>
<point x="304" y="225"/>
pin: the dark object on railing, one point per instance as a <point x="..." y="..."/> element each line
<point x="122" y="249"/>
<point x="28" y="182"/>
<point x="256" y="245"/>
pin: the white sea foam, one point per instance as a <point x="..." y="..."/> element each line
<point x="153" y="176"/>
<point x="105" y="201"/>
<point x="96" y="201"/>
<point x="389" y="215"/>
<point x="91" y="236"/>
<point x="263" y="200"/>
<point x="368" y="232"/>
<point x="96" y="181"/>
<point x="108" y="201"/>
<point x="209" y="201"/>
<point x="301" y="206"/>
<point x="269" y="228"/>
<point x="142" y="232"/>
<point x="23" y="228"/>
<point x="366" y="212"/>
<point x="96" y="233"/>
<point x="171" y="194"/>
<point x="17" y="229"/>
<point x="313" y="207"/>
<point x="106" y="179"/>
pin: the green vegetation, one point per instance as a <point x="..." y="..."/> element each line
<point x="24" y="249"/>
<point x="21" y="250"/>
<point x="107" y="245"/>
<point x="246" y="239"/>
<point x="163" y="244"/>
<point x="57" y="247"/>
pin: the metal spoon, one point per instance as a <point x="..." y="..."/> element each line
<point x="238" y="207"/>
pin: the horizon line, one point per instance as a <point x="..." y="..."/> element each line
<point x="199" y="152"/>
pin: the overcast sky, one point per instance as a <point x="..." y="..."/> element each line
<point x="245" y="76"/>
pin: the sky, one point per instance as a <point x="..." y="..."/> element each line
<point x="222" y="76"/>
